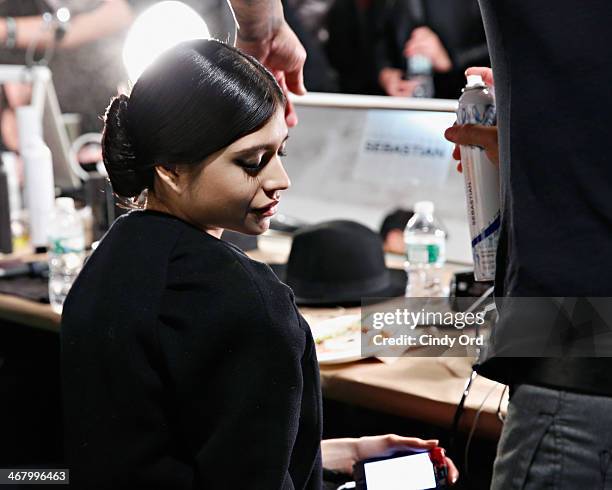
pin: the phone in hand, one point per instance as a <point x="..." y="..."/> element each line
<point x="403" y="469"/>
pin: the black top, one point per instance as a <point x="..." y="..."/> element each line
<point x="186" y="365"/>
<point x="552" y="83"/>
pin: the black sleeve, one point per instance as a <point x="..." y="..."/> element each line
<point x="118" y="431"/>
<point x="237" y="373"/>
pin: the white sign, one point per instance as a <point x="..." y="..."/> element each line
<point x="400" y="148"/>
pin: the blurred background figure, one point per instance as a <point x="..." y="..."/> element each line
<point x="82" y="49"/>
<point x="392" y="230"/>
<point x="449" y="33"/>
<point x="353" y="46"/>
<point x="370" y="40"/>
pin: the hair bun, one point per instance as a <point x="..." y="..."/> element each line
<point x="128" y="177"/>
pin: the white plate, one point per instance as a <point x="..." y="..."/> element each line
<point x="339" y="357"/>
<point x="341" y="344"/>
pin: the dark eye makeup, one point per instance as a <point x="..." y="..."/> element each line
<point x="253" y="166"/>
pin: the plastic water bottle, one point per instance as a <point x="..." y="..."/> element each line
<point x="425" y="253"/>
<point x="66" y="250"/>
<point x="420" y="69"/>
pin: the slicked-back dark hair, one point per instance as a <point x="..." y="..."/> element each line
<point x="194" y="100"/>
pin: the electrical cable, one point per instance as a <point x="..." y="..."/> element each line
<point x="466" y="390"/>
<point x="473" y="430"/>
<point x="347" y="485"/>
<point x="459" y="410"/>
<point x="473" y="374"/>
<point x="481" y="300"/>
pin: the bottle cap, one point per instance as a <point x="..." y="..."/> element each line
<point x="424" y="207"/>
<point x="64" y="204"/>
<point x="475" y="81"/>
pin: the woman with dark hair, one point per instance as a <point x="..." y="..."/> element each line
<point x="185" y="363"/>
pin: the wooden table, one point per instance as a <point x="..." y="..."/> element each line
<point x="421" y="388"/>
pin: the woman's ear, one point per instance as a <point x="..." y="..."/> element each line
<point x="172" y="176"/>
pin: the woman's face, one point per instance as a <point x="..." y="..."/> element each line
<point x="238" y="187"/>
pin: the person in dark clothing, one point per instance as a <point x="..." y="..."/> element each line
<point x="392" y="230"/>
<point x="448" y="32"/>
<point x="369" y="42"/>
<point x="185" y="363"/>
<point x="546" y="60"/>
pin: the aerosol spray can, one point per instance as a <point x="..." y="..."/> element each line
<point x="477" y="106"/>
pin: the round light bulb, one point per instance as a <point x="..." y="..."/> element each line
<point x="63" y="14"/>
<point x="158" y="29"/>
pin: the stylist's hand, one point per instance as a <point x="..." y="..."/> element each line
<point x="470" y="134"/>
<point x="341" y="454"/>
<point x="284" y="56"/>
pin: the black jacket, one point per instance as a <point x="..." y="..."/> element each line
<point x="186" y="365"/>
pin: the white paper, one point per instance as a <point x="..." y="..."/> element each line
<point x="401" y="148"/>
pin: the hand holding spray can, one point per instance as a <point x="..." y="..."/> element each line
<point x="477" y="106"/>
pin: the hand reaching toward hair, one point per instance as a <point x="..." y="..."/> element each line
<point x="265" y="35"/>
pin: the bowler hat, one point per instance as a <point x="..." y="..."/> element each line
<point x="339" y="263"/>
